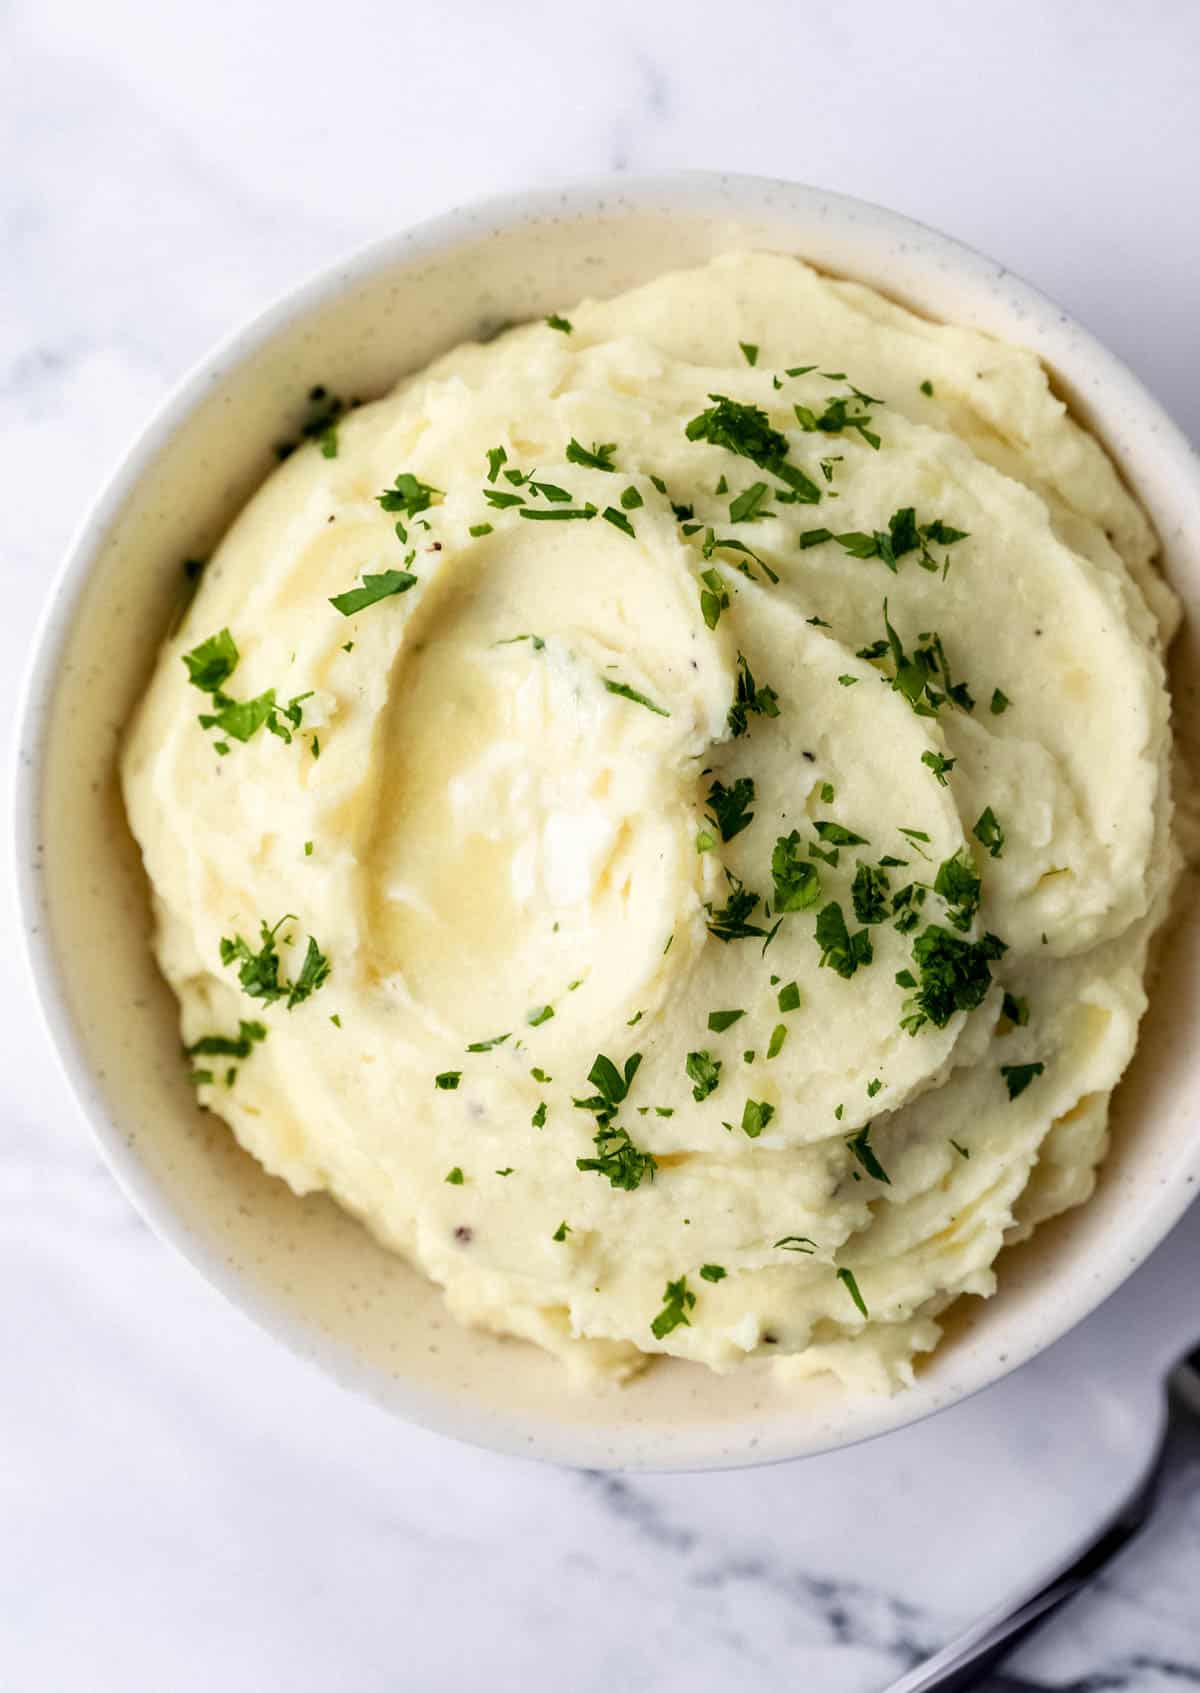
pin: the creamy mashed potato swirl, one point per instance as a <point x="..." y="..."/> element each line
<point x="716" y="842"/>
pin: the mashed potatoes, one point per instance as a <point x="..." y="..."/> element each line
<point x="663" y="816"/>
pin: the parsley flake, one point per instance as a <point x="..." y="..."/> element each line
<point x="989" y="834"/>
<point x="719" y="1021"/>
<point x="846" y="1277"/>
<point x="596" y="457"/>
<point x="628" y="693"/>
<point x="860" y="1146"/>
<point x="713" y="1272"/>
<point x="677" y="1302"/>
<point x="374" y="589"/>
<point x="560" y="323"/>
<point x="750" y="699"/>
<point x="705" y="1072"/>
<point x="954" y="975"/>
<point x="448" y="1080"/>
<point x="1017" y="1077"/>
<point x="618" y="1159"/>
<point x="797" y="881"/>
<point x="840" y="950"/>
<point x="728" y="807"/>
<point x="258" y="972"/>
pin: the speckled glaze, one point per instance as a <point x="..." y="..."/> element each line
<point x="308" y="1273"/>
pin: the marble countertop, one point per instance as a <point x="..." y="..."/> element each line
<point x="184" y="1506"/>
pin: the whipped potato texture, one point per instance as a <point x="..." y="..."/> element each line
<point x="663" y="817"/>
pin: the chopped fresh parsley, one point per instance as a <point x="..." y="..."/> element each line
<point x="749" y="352"/>
<point x="778" y="1036"/>
<point x="741" y="429"/>
<point x="705" y="1072"/>
<point x="903" y="535"/>
<point x="954" y="975"/>
<point x="747" y="431"/>
<point x="1017" y="1077"/>
<point x="258" y="972"/>
<point x="860" y="1146"/>
<point x="795" y="1243"/>
<point x="500" y="500"/>
<point x="756" y="1114"/>
<point x="631" y="499"/>
<point x="748" y="506"/>
<point x="618" y="519"/>
<point x="914" y="675"/>
<point x="505" y="1172"/>
<point x="455" y="1178"/>
<point x="847" y="681"/>
<point x="618" y="1158"/>
<point x="374" y="589"/>
<point x="628" y="693"/>
<point x="958" y="883"/>
<point x="788" y="998"/>
<point x="797" y="881"/>
<point x="846" y="1277"/>
<point x="560" y="323"/>
<point x="989" y="834"/>
<point x="596" y="457"/>
<point x="940" y="765"/>
<point x="869" y="894"/>
<point x="557" y="514"/>
<point x="840" y="950"/>
<point x="714" y="543"/>
<point x="714" y="597"/>
<point x="539" y="1014"/>
<point x="229" y="1046"/>
<point x="729" y="807"/>
<point x="962" y="1151"/>
<point x="677" y="1302"/>
<point x="729" y="923"/>
<point x="873" y="1087"/>
<point x="719" y="1021"/>
<point x="1016" y="1010"/>
<point x="840" y="414"/>
<point x="538" y="1120"/>
<point x="487" y="1045"/>
<point x="750" y="699"/>
<point x="612" y="1086"/>
<point x="927" y="387"/>
<point x="409" y="495"/>
<point x="834" y="834"/>
<point x="814" y="538"/>
<point x="1000" y="703"/>
<point x="562" y="1231"/>
<point x="448" y="1080"/>
<point x="713" y="1272"/>
<point x="212" y="662"/>
<point x="478" y="529"/>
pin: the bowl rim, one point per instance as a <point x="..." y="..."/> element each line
<point x="665" y="193"/>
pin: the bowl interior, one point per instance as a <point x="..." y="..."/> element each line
<point x="310" y="1273"/>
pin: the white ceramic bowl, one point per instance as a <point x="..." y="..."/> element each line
<point x="309" y="1274"/>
